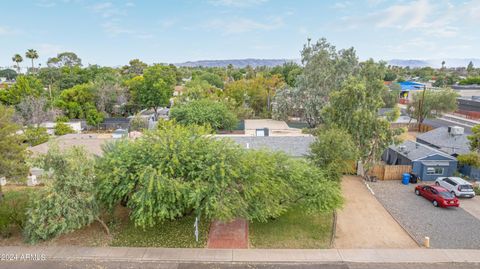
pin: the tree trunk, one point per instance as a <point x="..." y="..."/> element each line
<point x="107" y="230"/>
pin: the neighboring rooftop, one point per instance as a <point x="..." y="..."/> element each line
<point x="275" y="127"/>
<point x="91" y="142"/>
<point x="446" y="142"/>
<point x="296" y="146"/>
<point x="413" y="150"/>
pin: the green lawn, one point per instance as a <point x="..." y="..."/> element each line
<point x="294" y="229"/>
<point x="170" y="234"/>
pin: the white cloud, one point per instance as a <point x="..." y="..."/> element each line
<point x="5" y="30"/>
<point x="242" y="25"/>
<point x="113" y="28"/>
<point x="236" y="3"/>
<point x="107" y="10"/>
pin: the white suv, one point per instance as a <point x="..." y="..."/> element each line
<point x="457" y="186"/>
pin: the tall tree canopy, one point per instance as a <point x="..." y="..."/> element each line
<point x="325" y="70"/>
<point x="432" y="104"/>
<point x="354" y="108"/>
<point x="65" y="59"/>
<point x="205" y="111"/>
<point x="24" y="86"/>
<point x="178" y="170"/>
<point x="154" y="88"/>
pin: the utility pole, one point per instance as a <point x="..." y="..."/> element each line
<point x="420" y="108"/>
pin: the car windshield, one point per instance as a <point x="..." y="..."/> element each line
<point x="466" y="187"/>
<point x="446" y="195"/>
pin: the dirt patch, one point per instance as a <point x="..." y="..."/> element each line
<point x="364" y="223"/>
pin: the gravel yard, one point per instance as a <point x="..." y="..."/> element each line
<point x="447" y="228"/>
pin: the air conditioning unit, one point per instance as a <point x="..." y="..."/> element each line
<point x="456" y="130"/>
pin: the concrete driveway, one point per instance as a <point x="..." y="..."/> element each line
<point x="471" y="205"/>
<point x="447" y="228"/>
<point x="364" y="223"/>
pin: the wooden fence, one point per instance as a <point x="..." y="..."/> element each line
<point x="389" y="172"/>
<point x="413" y="127"/>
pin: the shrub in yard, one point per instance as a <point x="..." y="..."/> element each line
<point x="333" y="151"/>
<point x="205" y="111"/>
<point x="67" y="202"/>
<point x="36" y="135"/>
<point x="63" y="129"/>
<point x="12" y="211"/>
<point x="477" y="190"/>
<point x="181" y="170"/>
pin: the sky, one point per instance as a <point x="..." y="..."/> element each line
<point x="110" y="33"/>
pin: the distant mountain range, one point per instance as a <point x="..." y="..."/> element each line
<point x="239" y="63"/>
<point x="436" y="63"/>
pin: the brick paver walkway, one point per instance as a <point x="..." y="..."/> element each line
<point x="228" y="235"/>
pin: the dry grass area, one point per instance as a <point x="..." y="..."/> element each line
<point x="409" y="136"/>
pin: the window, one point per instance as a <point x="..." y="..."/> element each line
<point x="449" y="181"/>
<point x="434" y="171"/>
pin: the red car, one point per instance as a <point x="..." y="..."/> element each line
<point x="439" y="196"/>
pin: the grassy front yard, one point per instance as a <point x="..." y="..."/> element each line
<point x="170" y="234"/>
<point x="294" y="229"/>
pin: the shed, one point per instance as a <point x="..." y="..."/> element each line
<point x="427" y="162"/>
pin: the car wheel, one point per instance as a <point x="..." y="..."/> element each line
<point x="417" y="192"/>
<point x="435" y="203"/>
<point x="436" y="183"/>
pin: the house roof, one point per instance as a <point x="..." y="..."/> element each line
<point x="446" y="142"/>
<point x="411" y="85"/>
<point x="296" y="146"/>
<point x="414" y="151"/>
<point x="90" y="142"/>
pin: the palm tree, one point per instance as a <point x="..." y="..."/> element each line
<point x="17" y="58"/>
<point x="31" y="54"/>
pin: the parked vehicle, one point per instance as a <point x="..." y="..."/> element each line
<point x="439" y="196"/>
<point x="457" y="186"/>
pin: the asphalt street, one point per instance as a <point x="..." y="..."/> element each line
<point x="156" y="265"/>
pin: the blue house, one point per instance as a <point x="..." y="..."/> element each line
<point x="426" y="162"/>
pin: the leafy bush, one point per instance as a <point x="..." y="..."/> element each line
<point x="36" y="135"/>
<point x="333" y="151"/>
<point x="63" y="129"/>
<point x="471" y="158"/>
<point x="180" y="170"/>
<point x="470" y="81"/>
<point x="68" y="201"/>
<point x="477" y="190"/>
<point x="205" y="111"/>
<point x="12" y="211"/>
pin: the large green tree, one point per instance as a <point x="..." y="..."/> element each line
<point x="65" y="59"/>
<point x="76" y="101"/>
<point x="24" y="86"/>
<point x="429" y="104"/>
<point x="154" y="88"/>
<point x="354" y="108"/>
<point x="205" y="111"/>
<point x="179" y="170"/>
<point x="325" y="70"/>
